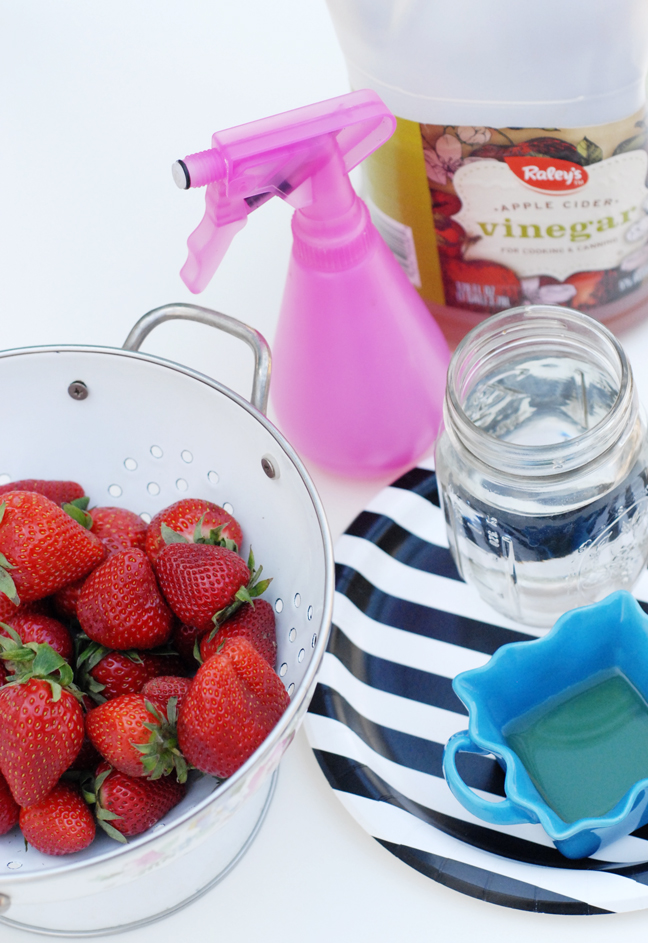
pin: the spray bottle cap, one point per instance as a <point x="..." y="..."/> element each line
<point x="302" y="156"/>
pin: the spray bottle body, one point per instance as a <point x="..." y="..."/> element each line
<point x="359" y="363"/>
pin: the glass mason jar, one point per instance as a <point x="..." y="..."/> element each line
<point x="543" y="463"/>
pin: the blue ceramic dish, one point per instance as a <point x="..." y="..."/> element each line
<point x="585" y="645"/>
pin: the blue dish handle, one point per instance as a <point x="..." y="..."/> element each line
<point x="498" y="813"/>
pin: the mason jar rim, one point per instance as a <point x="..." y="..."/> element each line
<point x="511" y="330"/>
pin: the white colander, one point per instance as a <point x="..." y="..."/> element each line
<point x="141" y="432"/>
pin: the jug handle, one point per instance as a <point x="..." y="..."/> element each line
<point x="505" y="812"/>
<point x="187" y="312"/>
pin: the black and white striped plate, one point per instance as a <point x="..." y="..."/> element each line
<point x="404" y="625"/>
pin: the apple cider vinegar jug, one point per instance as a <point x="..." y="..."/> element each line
<point x="517" y="173"/>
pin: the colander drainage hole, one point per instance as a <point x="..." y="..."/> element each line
<point x="130" y="464"/>
<point x="212" y="477"/>
<point x="300" y="657"/>
<point x="146" y="517"/>
<point x="291" y="689"/>
<point x="278" y="605"/>
<point x="153" y="487"/>
<point x="314" y="641"/>
<point x="181" y="484"/>
<point x="292" y="635"/>
<point x="297" y="600"/>
<point x="156" y="451"/>
<point x="14" y="865"/>
<point x="114" y="491"/>
<point x="228" y="507"/>
<point x="186" y="456"/>
<point x="309" y="614"/>
<point x="283" y="670"/>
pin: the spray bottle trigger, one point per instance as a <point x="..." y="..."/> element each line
<point x="207" y="245"/>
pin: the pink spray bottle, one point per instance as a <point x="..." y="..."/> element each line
<point x="359" y="363"/>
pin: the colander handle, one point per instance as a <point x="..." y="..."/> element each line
<point x="185" y="312"/>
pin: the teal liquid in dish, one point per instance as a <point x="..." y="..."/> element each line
<point x="584" y="753"/>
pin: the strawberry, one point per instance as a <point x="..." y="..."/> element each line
<point x="105" y="674"/>
<point x="135" y="737"/>
<point x="65" y="599"/>
<point x="255" y="623"/>
<point x="42" y="547"/>
<point x="203" y="583"/>
<point x="120" y="605"/>
<point x="234" y="702"/>
<point x="60" y="492"/>
<point x="183" y="639"/>
<point x="118" y="529"/>
<point x="60" y="824"/>
<point x="9" y="808"/>
<point x="194" y="520"/>
<point x="127" y="806"/>
<point x="163" y="687"/>
<point x="8" y="609"/>
<point x="41" y="721"/>
<point x="32" y="627"/>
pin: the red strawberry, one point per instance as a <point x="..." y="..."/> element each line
<point x="234" y="702"/>
<point x="158" y="691"/>
<point x="254" y="623"/>
<point x="9" y="808"/>
<point x="44" y="547"/>
<point x="32" y="627"/>
<point x="118" y="529"/>
<point x="120" y="605"/>
<point x="8" y="609"/>
<point x="199" y="580"/>
<point x="3" y="675"/>
<point x="133" y="804"/>
<point x="183" y="518"/>
<point x="66" y="599"/>
<point x="114" y="728"/>
<point x="60" y="824"/>
<point x="40" y="737"/>
<point x="119" y="726"/>
<point x="183" y="639"/>
<point x="60" y="492"/>
<point x="117" y="672"/>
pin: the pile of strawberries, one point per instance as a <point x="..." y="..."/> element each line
<point x="130" y="654"/>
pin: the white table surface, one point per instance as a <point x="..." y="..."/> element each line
<point x="97" y="101"/>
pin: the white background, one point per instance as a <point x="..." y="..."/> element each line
<point x="97" y="101"/>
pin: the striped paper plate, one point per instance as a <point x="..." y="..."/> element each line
<point x="404" y="625"/>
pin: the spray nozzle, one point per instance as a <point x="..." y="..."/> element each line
<point x="302" y="156"/>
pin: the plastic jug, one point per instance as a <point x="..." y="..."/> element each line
<point x="517" y="171"/>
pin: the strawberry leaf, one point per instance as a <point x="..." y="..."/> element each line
<point x="106" y="815"/>
<point x="8" y="587"/>
<point x="198" y="531"/>
<point x="78" y="514"/>
<point x="81" y="503"/>
<point x="111" y="830"/>
<point x="170" y="536"/>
